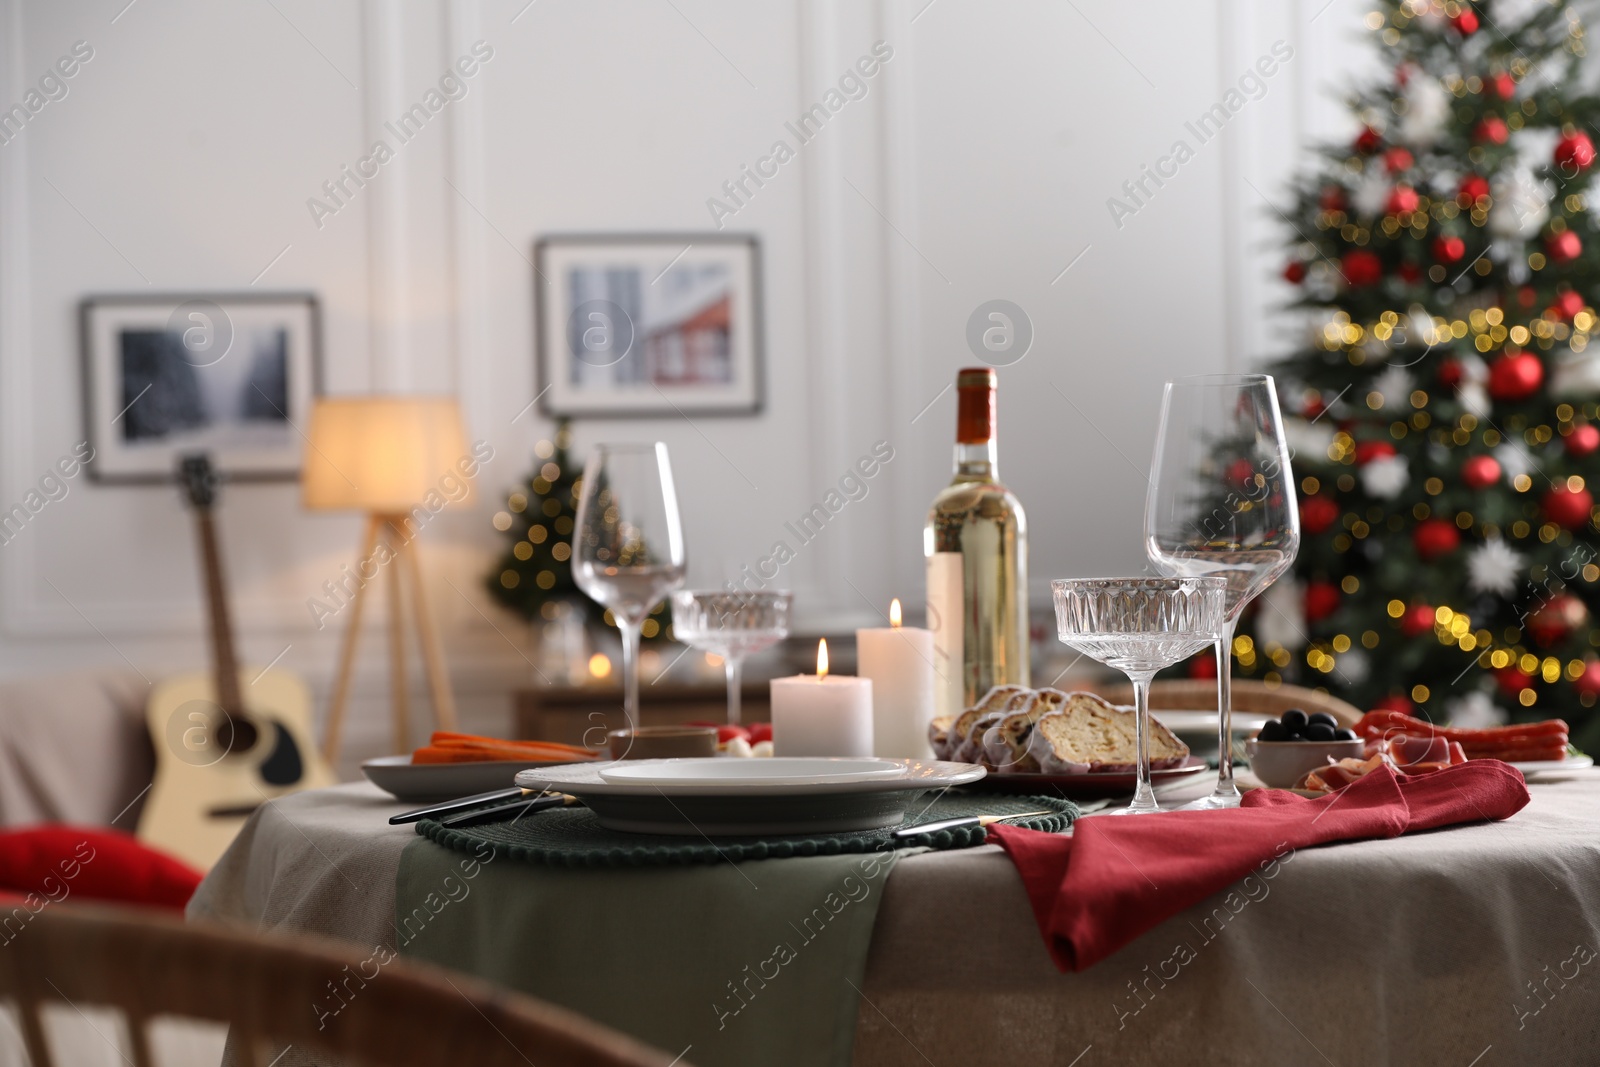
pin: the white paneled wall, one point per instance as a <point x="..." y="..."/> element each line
<point x="977" y="165"/>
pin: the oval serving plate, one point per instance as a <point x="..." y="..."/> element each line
<point x="737" y="804"/>
<point x="1091" y="785"/>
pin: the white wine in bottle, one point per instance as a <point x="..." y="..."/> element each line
<point x="976" y="544"/>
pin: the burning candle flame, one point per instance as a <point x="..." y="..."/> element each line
<point x="894" y="613"/>
<point x="822" y="658"/>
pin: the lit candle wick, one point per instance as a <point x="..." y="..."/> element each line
<point x="894" y="613"/>
<point x="822" y="659"/>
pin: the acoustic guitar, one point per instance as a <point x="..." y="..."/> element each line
<point x="229" y="740"/>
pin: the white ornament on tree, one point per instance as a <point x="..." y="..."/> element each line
<point x="1493" y="568"/>
<point x="1575" y="374"/>
<point x="1371" y="193"/>
<point x="1514" y="460"/>
<point x="1386" y="477"/>
<point x="1427" y="110"/>
<point x="1394" y="385"/>
<point x="1281" y="620"/>
<point x="1475" y="399"/>
<point x="1521" y="205"/>
<point x="1353" y="666"/>
<point x="1474" y="711"/>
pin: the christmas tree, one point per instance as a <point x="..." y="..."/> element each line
<point x="534" y="575"/>
<point x="1443" y="409"/>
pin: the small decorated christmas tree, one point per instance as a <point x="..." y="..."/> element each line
<point x="1443" y="410"/>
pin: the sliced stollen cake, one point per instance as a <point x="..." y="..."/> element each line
<point x="995" y="699"/>
<point x="1005" y="744"/>
<point x="969" y="747"/>
<point x="1089" y="734"/>
<point x="939" y="736"/>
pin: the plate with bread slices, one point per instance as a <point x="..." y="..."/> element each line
<point x="1076" y="743"/>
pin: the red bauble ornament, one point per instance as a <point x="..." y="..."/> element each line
<point x="1515" y="376"/>
<point x="1434" y="538"/>
<point x="1583" y="440"/>
<point x="1448" y="249"/>
<point x="1294" y="272"/>
<point x="1466" y="22"/>
<point x="1410" y="272"/>
<point x="1564" y="247"/>
<point x="1367" y="451"/>
<point x="1502" y="85"/>
<point x="1361" y="267"/>
<point x="1526" y="296"/>
<point x="1333" y="198"/>
<point x="1450" y="373"/>
<point x="1588" y="683"/>
<point x="1369" y="141"/>
<point x="1480" y="472"/>
<point x="1322" y="599"/>
<point x="1397" y="159"/>
<point x="1394" y="702"/>
<point x="1402" y="200"/>
<point x="1492" y="130"/>
<point x="1567" y="304"/>
<point x="1574" y="153"/>
<point x="1512" y="680"/>
<point x="1472" y="188"/>
<point x="1203" y="665"/>
<point x="1318" y="514"/>
<point x="1567" y="508"/>
<point x="1240" y="471"/>
<point x="1557" y="619"/>
<point x="1417" y="620"/>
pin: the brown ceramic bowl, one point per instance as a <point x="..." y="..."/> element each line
<point x="663" y="742"/>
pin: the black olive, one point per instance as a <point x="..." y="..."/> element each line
<point x="1294" y="720"/>
<point x="1345" y="735"/>
<point x="1319" y="731"/>
<point x="1272" y="730"/>
<point x="1324" y="718"/>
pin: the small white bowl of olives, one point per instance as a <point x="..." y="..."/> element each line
<point x="1286" y="749"/>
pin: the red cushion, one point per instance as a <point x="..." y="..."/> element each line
<point x="55" y="863"/>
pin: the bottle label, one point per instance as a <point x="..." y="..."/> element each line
<point x="945" y="593"/>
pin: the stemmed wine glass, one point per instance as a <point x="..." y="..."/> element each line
<point x="627" y="546"/>
<point x="1222" y="502"/>
<point x="1139" y="625"/>
<point x="732" y="624"/>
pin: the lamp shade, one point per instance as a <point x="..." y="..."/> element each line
<point x="382" y="453"/>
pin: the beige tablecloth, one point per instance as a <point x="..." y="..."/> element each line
<point x="1474" y="945"/>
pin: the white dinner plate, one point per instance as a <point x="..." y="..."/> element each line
<point x="1548" y="766"/>
<point x="798" y="796"/>
<point x="755" y="774"/>
<point x="404" y="780"/>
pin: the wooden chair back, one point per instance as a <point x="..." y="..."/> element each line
<point x="276" y="992"/>
<point x="1249" y="696"/>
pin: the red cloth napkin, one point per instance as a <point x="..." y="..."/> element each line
<point x="1115" y="878"/>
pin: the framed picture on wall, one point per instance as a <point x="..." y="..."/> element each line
<point x="648" y="325"/>
<point x="230" y="374"/>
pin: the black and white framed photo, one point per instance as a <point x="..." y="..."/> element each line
<point x="230" y="374"/>
<point x="648" y="325"/>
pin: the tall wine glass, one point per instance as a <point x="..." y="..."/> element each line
<point x="732" y="624"/>
<point x="1139" y="625"/>
<point x="627" y="546"/>
<point x="1222" y="502"/>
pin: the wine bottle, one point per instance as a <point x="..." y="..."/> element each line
<point x="976" y="546"/>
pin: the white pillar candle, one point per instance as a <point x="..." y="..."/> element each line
<point x="898" y="660"/>
<point x="821" y="714"/>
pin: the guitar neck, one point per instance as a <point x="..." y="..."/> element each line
<point x="224" y="661"/>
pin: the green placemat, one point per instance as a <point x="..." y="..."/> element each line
<point x="573" y="837"/>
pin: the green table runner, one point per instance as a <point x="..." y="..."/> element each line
<point x="729" y="963"/>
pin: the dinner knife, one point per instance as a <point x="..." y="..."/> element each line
<point x="514" y="810"/>
<point x="435" y="810"/>
<point x="965" y="820"/>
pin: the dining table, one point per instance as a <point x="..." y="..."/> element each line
<point x="1472" y="945"/>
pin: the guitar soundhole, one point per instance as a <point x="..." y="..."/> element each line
<point x="237" y="736"/>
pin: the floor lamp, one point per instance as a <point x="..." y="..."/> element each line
<point x="399" y="459"/>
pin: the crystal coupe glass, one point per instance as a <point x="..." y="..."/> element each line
<point x="731" y="624"/>
<point x="1138" y="626"/>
